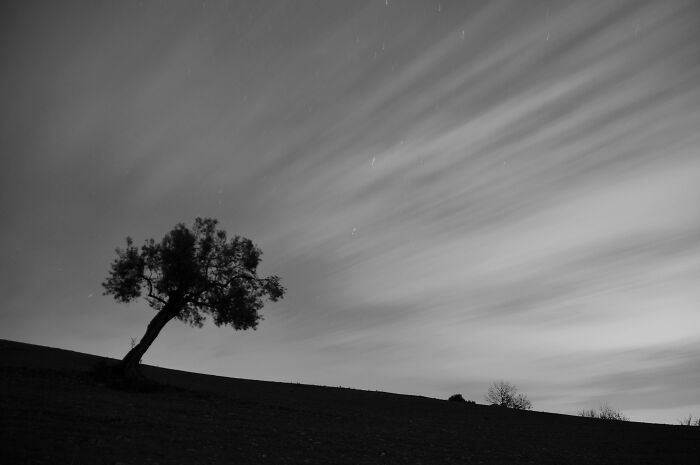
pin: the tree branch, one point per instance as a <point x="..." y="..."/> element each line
<point x="150" y="290"/>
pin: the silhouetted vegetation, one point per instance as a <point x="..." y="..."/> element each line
<point x="689" y="421"/>
<point x="505" y="394"/>
<point x="191" y="273"/>
<point x="459" y="398"/>
<point x="604" y="412"/>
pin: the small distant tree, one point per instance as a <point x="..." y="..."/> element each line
<point x="189" y="274"/>
<point x="505" y="394"/>
<point x="456" y="398"/>
<point x="604" y="412"/>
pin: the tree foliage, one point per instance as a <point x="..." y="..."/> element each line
<point x="192" y="273"/>
<point x="505" y="394"/>
<point x="200" y="270"/>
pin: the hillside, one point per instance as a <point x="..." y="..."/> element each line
<point x="53" y="412"/>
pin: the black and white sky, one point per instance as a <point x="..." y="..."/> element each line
<point x="453" y="192"/>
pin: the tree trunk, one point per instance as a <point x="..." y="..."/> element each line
<point x="130" y="363"/>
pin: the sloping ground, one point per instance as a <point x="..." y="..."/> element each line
<point x="53" y="412"/>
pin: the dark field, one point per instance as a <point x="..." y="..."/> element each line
<point x="53" y="412"/>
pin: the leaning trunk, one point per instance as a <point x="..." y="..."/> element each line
<point x="130" y="363"/>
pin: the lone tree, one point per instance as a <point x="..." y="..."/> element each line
<point x="188" y="274"/>
<point x="505" y="394"/>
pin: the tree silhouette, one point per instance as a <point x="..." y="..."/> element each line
<point x="505" y="394"/>
<point x="189" y="274"/>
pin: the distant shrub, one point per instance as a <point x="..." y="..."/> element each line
<point x="459" y="398"/>
<point x="521" y="402"/>
<point x="608" y="413"/>
<point x="505" y="394"/>
<point x="689" y="421"/>
<point x="604" y="412"/>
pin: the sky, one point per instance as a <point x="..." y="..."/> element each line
<point x="452" y="192"/>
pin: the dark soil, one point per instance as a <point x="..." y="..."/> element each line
<point x="53" y="411"/>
